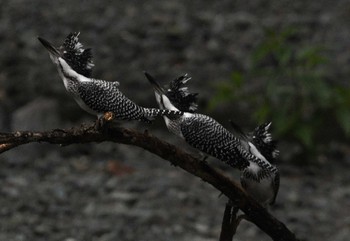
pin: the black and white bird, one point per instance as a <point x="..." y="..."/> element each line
<point x="259" y="177"/>
<point x="199" y="131"/>
<point x="74" y="65"/>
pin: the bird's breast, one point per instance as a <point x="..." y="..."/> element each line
<point x="262" y="191"/>
<point x="82" y="104"/>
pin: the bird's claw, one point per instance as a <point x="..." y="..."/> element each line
<point x="103" y="120"/>
<point x="205" y="158"/>
<point x="108" y="116"/>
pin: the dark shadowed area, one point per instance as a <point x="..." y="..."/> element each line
<point x="251" y="61"/>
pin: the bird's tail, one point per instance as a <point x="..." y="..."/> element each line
<point x="262" y="139"/>
<point x="151" y="113"/>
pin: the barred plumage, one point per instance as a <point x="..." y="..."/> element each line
<point x="96" y="96"/>
<point x="207" y="135"/>
<point x="259" y="177"/>
<point x="202" y="132"/>
<point x="103" y="96"/>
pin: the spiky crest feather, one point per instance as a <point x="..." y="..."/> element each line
<point x="262" y="139"/>
<point x="76" y="56"/>
<point x="180" y="96"/>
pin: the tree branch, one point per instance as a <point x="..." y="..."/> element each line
<point x="109" y="132"/>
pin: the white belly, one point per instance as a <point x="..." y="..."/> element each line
<point x="85" y="107"/>
<point x="261" y="191"/>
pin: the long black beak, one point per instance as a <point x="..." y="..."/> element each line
<point x="52" y="50"/>
<point x="154" y="83"/>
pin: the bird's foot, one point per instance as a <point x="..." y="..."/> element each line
<point x="146" y="120"/>
<point x="239" y="218"/>
<point x="205" y="157"/>
<point x="108" y="116"/>
<point x="200" y="155"/>
<point x="103" y="120"/>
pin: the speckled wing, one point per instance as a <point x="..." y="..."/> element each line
<point x="207" y="135"/>
<point x="103" y="96"/>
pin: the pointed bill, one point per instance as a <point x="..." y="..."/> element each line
<point x="154" y="83"/>
<point x="52" y="50"/>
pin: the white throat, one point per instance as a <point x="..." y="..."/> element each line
<point x="164" y="102"/>
<point x="172" y="125"/>
<point x="254" y="168"/>
<point x="257" y="153"/>
<point x="69" y="75"/>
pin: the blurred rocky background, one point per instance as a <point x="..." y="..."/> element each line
<point x="251" y="61"/>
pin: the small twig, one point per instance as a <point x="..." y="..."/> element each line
<point x="6" y="146"/>
<point x="229" y="225"/>
<point x="230" y="222"/>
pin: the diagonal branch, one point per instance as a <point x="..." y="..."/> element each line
<point x="84" y="134"/>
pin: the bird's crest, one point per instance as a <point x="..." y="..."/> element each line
<point x="180" y="96"/>
<point x="262" y="139"/>
<point x="176" y="96"/>
<point x="76" y="56"/>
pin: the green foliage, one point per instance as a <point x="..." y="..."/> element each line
<point x="291" y="89"/>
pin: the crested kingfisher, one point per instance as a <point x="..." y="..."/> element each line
<point x="261" y="179"/>
<point x="199" y="131"/>
<point x="74" y="65"/>
<point x="258" y="176"/>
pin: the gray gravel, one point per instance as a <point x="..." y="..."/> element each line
<point x="124" y="197"/>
